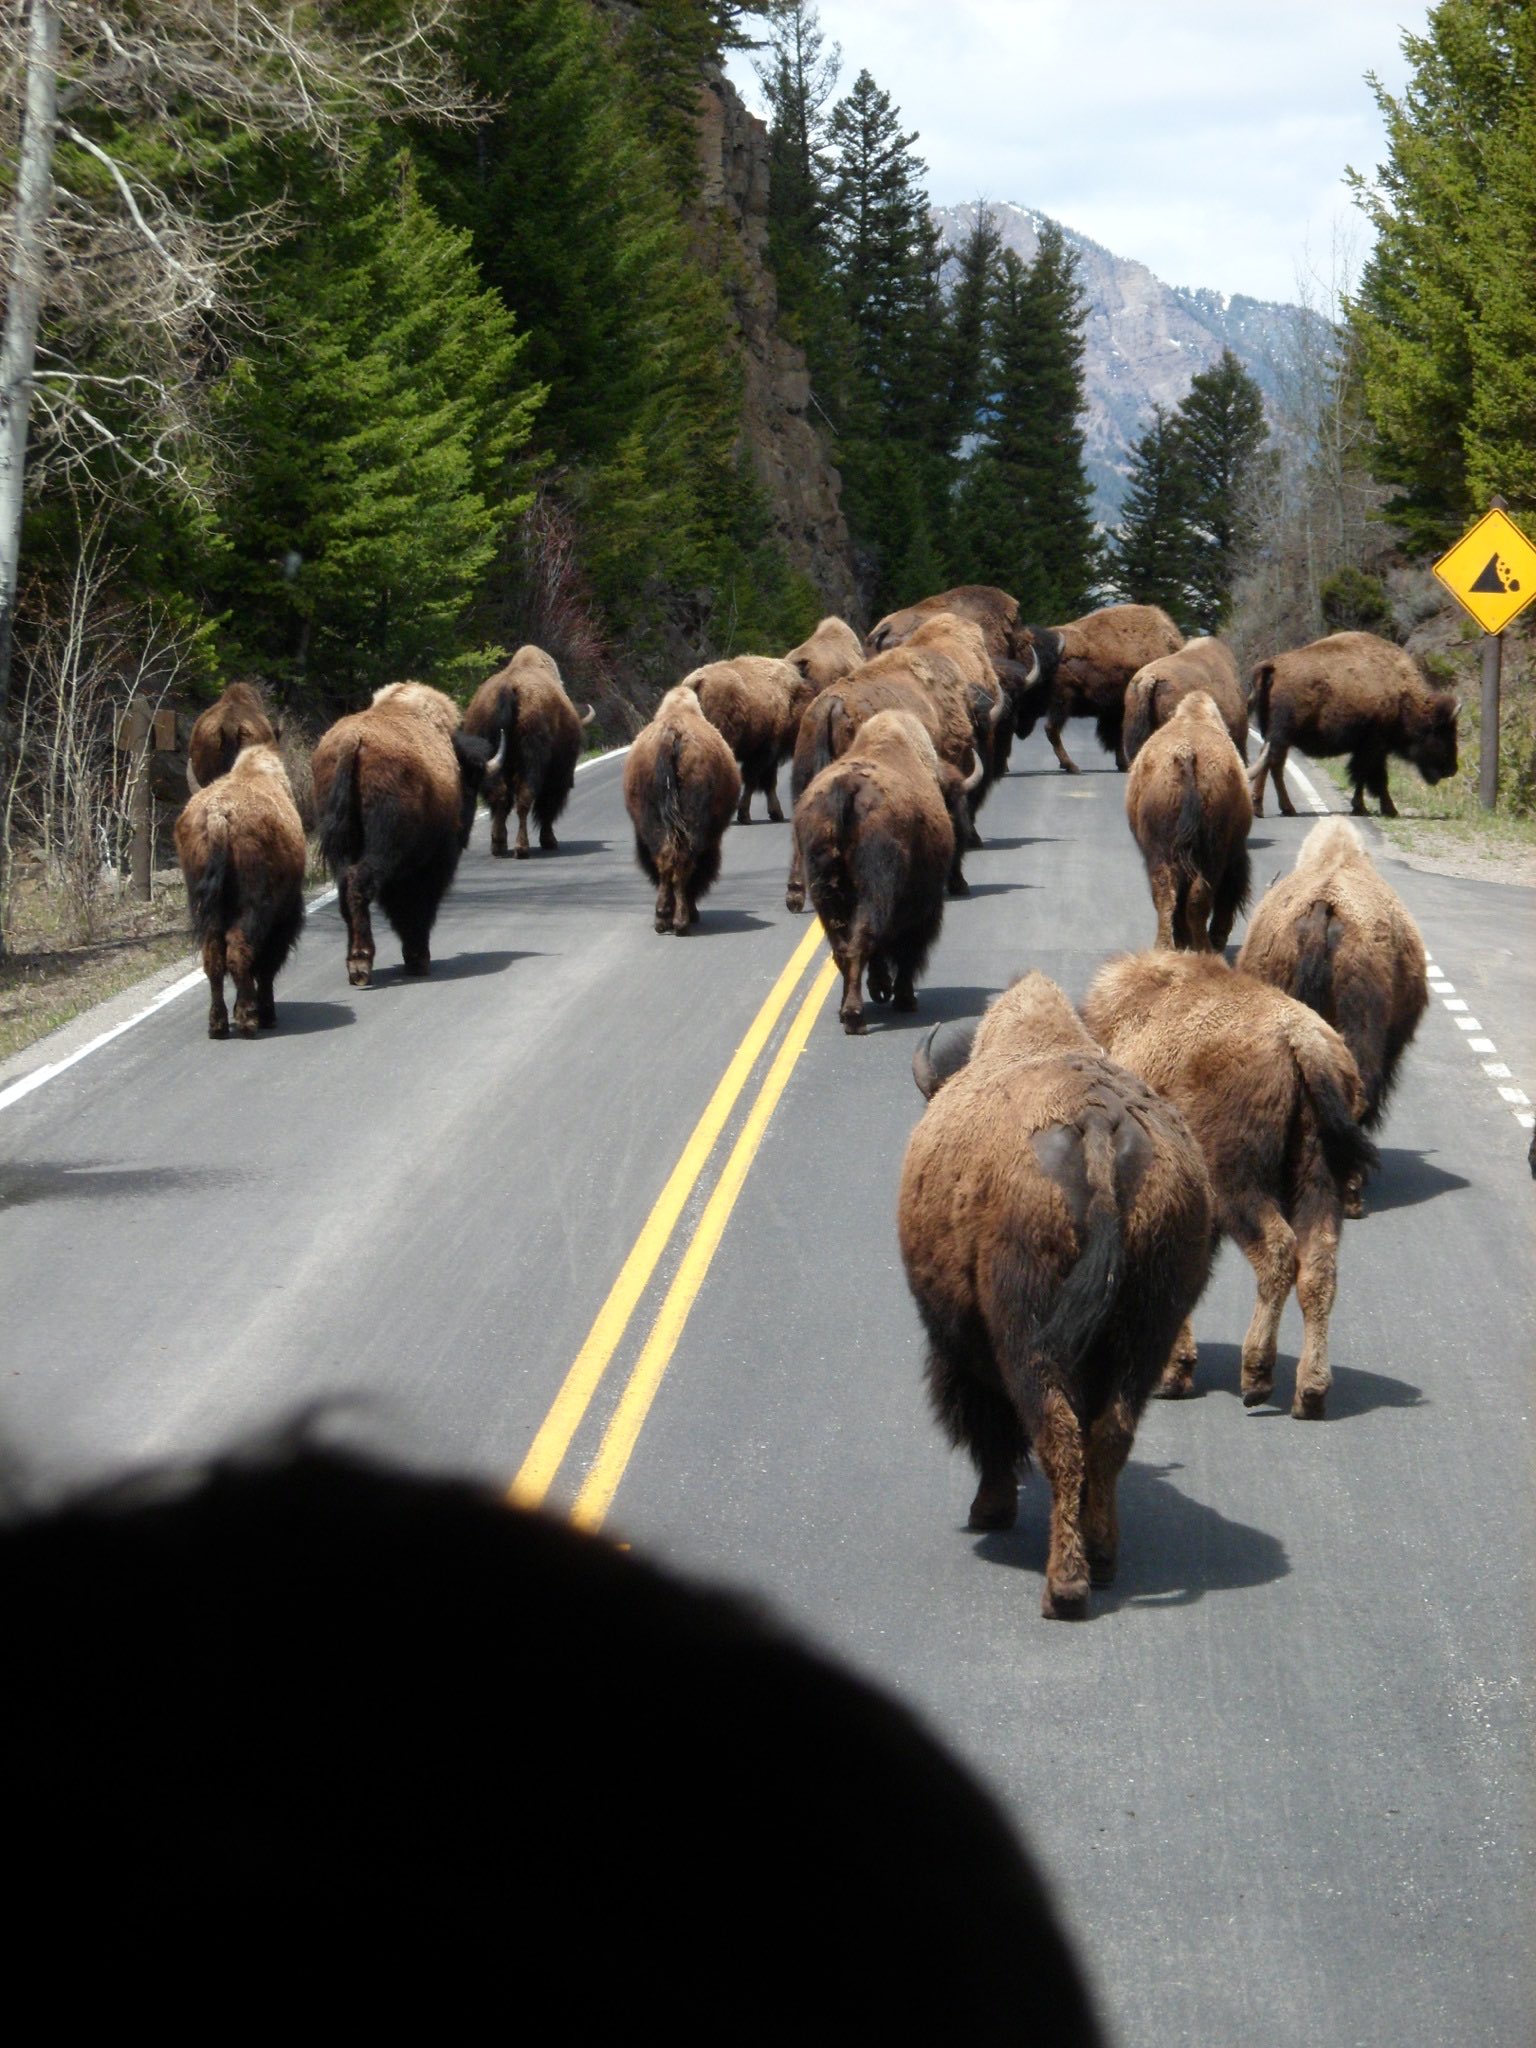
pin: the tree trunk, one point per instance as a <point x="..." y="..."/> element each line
<point x="18" y="348"/>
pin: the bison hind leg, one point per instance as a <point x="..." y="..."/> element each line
<point x="979" y="1418"/>
<point x="213" y="967"/>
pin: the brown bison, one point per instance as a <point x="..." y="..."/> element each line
<point x="395" y="787"/>
<point x="680" y="788"/>
<point x="754" y="703"/>
<point x="1273" y="1095"/>
<point x="1086" y="665"/>
<point x="1010" y="645"/>
<point x="833" y="651"/>
<point x="1056" y="1227"/>
<point x="1338" y="938"/>
<point x="241" y="848"/>
<point x="527" y="701"/>
<point x="876" y="846"/>
<point x="1187" y="802"/>
<point x="955" y="648"/>
<point x="238" y="719"/>
<point x="899" y="681"/>
<point x="1152" y="693"/>
<point x="1355" y="694"/>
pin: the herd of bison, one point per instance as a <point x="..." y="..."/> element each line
<point x="1063" y="1194"/>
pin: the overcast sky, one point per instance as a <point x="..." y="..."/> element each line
<point x="1206" y="138"/>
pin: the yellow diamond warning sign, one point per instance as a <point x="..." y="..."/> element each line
<point x="1491" y="571"/>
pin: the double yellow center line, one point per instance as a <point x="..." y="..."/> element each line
<point x="548" y="1450"/>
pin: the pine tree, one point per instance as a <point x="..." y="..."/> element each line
<point x="1446" y="312"/>
<point x="966" y="328"/>
<point x="1026" y="505"/>
<point x="1221" y="432"/>
<point x="1149" y="558"/>
<point x="377" y="420"/>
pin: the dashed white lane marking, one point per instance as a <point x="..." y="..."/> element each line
<point x="40" y="1076"/>
<point x="1494" y="1068"/>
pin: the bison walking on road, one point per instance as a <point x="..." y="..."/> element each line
<point x="527" y="701"/>
<point x="1087" y="664"/>
<point x="395" y="787"/>
<point x="755" y="704"/>
<point x="1056" y="1228"/>
<point x="1187" y="802"/>
<point x="833" y="651"/>
<point x="1155" y="691"/>
<point x="1338" y="937"/>
<point x="680" y="788"/>
<point x="238" y="719"/>
<point x="1355" y="694"/>
<point x="1273" y="1096"/>
<point x="241" y="848"/>
<point x="1010" y="646"/>
<point x="876" y="844"/>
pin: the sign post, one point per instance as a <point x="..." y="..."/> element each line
<point x="134" y="729"/>
<point x="1491" y="573"/>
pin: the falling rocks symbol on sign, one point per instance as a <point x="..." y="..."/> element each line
<point x="1496" y="577"/>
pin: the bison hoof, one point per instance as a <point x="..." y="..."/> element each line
<point x="417" y="964"/>
<point x="1067" y="1601"/>
<point x="1257" y="1396"/>
<point x="794" y="900"/>
<point x="1070" y="768"/>
<point x="1354" y="1208"/>
<point x="548" y="843"/>
<point x="1102" y="1568"/>
<point x="519" y="853"/>
<point x="501" y="852"/>
<point x="1308" y="1406"/>
<point x="959" y="886"/>
<point x="218" y="1027"/>
<point x="1175" y="1386"/>
<point x="360" y="973"/>
<point x="993" y="1511"/>
<point x="246" y="1026"/>
<point x="852" y="1022"/>
<point x="905" y="999"/>
<point x="663" y="925"/>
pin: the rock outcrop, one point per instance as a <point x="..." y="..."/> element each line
<point x="788" y="454"/>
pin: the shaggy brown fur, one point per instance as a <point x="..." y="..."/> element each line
<point x="919" y="681"/>
<point x="1087" y="665"/>
<point x="833" y="651"/>
<point x="1338" y="938"/>
<point x="1010" y="646"/>
<point x="1274" y="1097"/>
<point x="680" y="788"/>
<point x="1355" y="694"/>
<point x="946" y="640"/>
<point x="876" y="845"/>
<point x="1187" y="802"/>
<point x="395" y="787"/>
<point x="241" y="848"/>
<point x="755" y="703"/>
<point x="1152" y="693"/>
<point x="1056" y="1227"/>
<point x="527" y="701"/>
<point x="239" y="719"/>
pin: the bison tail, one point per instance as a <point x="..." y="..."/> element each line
<point x="669" y="795"/>
<point x="1258" y="703"/>
<point x="1190" y="825"/>
<point x="1317" y="936"/>
<point x="209" y="897"/>
<point x="1346" y="1148"/>
<point x="341" y="820"/>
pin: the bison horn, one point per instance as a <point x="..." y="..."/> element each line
<point x="1456" y="708"/>
<point x="493" y="766"/>
<point x="192" y="782"/>
<point x="975" y="775"/>
<point x="589" y="714"/>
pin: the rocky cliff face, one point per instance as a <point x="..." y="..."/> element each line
<point x="1145" y="340"/>
<point x="787" y="452"/>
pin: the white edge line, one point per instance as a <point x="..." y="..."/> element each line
<point x="40" y="1076"/>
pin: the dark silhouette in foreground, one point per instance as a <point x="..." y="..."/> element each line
<point x="337" y="1736"/>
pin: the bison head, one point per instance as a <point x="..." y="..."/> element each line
<point x="1432" y="741"/>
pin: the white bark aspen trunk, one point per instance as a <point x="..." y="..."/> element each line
<point x="18" y="348"/>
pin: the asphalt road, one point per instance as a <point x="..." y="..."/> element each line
<point x="1281" y="1776"/>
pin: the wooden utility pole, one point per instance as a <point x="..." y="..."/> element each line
<point x="135" y="732"/>
<point x="1493" y="676"/>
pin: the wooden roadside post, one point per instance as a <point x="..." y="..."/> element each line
<point x="1491" y="573"/>
<point x="135" y="729"/>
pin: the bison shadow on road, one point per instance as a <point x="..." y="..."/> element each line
<point x="299" y="1020"/>
<point x="935" y="1005"/>
<point x="452" y="967"/>
<point x="1173" y="1550"/>
<point x="24" y="1181"/>
<point x="1354" y="1391"/>
<point x="711" y="921"/>
<point x="1405" y="1179"/>
<point x="1013" y="845"/>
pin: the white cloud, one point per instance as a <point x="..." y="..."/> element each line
<point x="1206" y="138"/>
